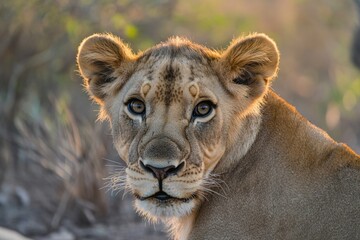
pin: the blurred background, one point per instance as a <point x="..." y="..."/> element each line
<point x="55" y="157"/>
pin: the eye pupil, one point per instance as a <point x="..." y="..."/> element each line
<point x="203" y="109"/>
<point x="136" y="106"/>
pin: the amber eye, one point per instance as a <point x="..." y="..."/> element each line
<point x="203" y="109"/>
<point x="136" y="106"/>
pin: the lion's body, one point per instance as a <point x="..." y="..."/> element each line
<point x="214" y="153"/>
<point x="294" y="183"/>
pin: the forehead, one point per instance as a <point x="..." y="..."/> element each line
<point x="171" y="61"/>
<point x="170" y="69"/>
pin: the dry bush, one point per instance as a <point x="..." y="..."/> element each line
<point x="73" y="152"/>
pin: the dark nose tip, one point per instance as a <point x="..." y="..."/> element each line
<point x="162" y="173"/>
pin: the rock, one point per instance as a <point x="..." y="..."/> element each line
<point x="96" y="231"/>
<point x="7" y="234"/>
<point x="62" y="234"/>
<point x="23" y="196"/>
<point x="10" y="194"/>
<point x="32" y="228"/>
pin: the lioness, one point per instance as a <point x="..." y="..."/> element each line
<point x="212" y="151"/>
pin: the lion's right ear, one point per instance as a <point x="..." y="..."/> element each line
<point x="249" y="65"/>
<point x="103" y="60"/>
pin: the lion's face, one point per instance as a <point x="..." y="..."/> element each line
<point x="168" y="128"/>
<point x="173" y="109"/>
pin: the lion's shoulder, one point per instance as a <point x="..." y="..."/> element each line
<point x="298" y="140"/>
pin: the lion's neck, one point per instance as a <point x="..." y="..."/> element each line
<point x="180" y="228"/>
<point x="242" y="134"/>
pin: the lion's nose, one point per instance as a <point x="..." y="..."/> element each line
<point x="162" y="173"/>
<point x="161" y="150"/>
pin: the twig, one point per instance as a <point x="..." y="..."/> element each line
<point x="60" y="210"/>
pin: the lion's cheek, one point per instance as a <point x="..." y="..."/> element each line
<point x="212" y="155"/>
<point x="183" y="188"/>
<point x="141" y="185"/>
<point x="122" y="148"/>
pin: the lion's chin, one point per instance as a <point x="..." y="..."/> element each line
<point x="154" y="209"/>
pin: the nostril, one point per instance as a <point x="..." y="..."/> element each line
<point x="174" y="170"/>
<point x="161" y="173"/>
<point x="145" y="167"/>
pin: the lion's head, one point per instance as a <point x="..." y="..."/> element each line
<point x="176" y="110"/>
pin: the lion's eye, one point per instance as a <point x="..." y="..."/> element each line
<point x="136" y="106"/>
<point x="203" y="109"/>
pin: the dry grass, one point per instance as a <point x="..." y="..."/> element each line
<point x="72" y="151"/>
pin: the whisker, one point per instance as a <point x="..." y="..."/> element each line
<point x="115" y="162"/>
<point x="126" y="191"/>
<point x="115" y="182"/>
<point x="217" y="178"/>
<point x="214" y="181"/>
<point x="117" y="192"/>
<point x="218" y="185"/>
<point x="202" y="195"/>
<point x="210" y="191"/>
<point x="114" y="166"/>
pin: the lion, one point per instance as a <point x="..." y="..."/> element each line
<point x="211" y="150"/>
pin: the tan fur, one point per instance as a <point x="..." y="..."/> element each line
<point x="252" y="168"/>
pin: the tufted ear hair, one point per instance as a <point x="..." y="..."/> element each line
<point x="250" y="61"/>
<point x="103" y="61"/>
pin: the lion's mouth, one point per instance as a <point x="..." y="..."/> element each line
<point x="163" y="197"/>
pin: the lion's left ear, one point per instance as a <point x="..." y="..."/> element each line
<point x="250" y="61"/>
<point x="103" y="60"/>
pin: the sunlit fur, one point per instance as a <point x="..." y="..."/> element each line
<point x="172" y="78"/>
<point x="239" y="169"/>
